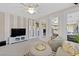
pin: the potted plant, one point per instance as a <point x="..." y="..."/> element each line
<point x="77" y="38"/>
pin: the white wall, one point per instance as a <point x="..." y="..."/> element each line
<point x="63" y="26"/>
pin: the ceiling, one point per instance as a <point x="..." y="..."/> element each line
<point x="73" y="18"/>
<point x="42" y="10"/>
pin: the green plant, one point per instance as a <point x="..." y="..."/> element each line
<point x="77" y="38"/>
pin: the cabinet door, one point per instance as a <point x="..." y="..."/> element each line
<point x="11" y="21"/>
<point x="25" y="25"/>
<point x="19" y="25"/>
<point x="2" y="26"/>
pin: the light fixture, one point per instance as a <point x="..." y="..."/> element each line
<point x="31" y="10"/>
<point x="30" y="7"/>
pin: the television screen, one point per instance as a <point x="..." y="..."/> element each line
<point x="18" y="32"/>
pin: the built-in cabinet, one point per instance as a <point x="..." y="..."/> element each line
<point x="18" y="22"/>
<point x="37" y="29"/>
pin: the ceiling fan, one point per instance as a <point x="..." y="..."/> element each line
<point x="30" y="7"/>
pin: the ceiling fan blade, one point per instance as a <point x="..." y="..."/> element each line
<point x="24" y="6"/>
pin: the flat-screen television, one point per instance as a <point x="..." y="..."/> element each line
<point x="18" y="32"/>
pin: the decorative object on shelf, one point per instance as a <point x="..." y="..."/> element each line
<point x="44" y="25"/>
<point x="33" y="32"/>
<point x="33" y="24"/>
<point x="37" y="24"/>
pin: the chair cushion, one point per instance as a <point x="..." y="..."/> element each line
<point x="54" y="44"/>
<point x="61" y="52"/>
<point x="70" y="48"/>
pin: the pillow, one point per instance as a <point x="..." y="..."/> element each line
<point x="70" y="48"/>
<point x="77" y="55"/>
